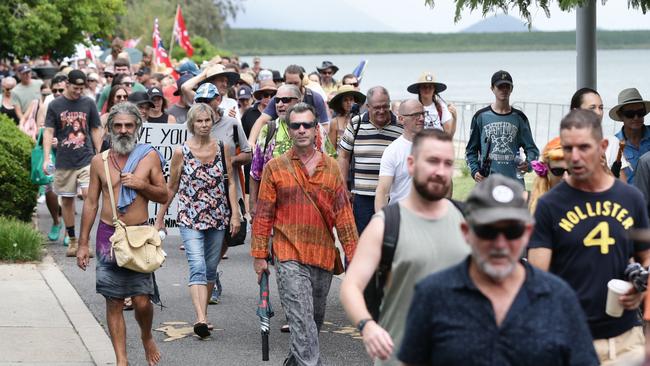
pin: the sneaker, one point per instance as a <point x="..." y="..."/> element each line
<point x="55" y="232"/>
<point x="66" y="240"/>
<point x="41" y="199"/>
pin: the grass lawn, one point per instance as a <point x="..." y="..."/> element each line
<point x="463" y="184"/>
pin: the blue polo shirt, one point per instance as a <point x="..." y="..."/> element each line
<point x="632" y="153"/>
<point x="451" y="322"/>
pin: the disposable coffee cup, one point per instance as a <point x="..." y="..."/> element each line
<point x="616" y="288"/>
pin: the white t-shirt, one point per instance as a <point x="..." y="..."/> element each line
<point x="612" y="151"/>
<point x="227" y="104"/>
<point x="433" y="119"/>
<point x="393" y="164"/>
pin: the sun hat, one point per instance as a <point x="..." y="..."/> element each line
<point x="247" y="79"/>
<point x="625" y="97"/>
<point x="265" y="85"/>
<point x="213" y="71"/>
<point x="327" y="65"/>
<point x="496" y="198"/>
<point x="343" y="90"/>
<point x="426" y="78"/>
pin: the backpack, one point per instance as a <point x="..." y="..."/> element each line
<point x="374" y="292"/>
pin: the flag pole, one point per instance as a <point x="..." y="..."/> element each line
<point x="171" y="43"/>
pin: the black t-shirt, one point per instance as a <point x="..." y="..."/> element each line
<point x="249" y="118"/>
<point x="72" y="121"/>
<point x="587" y="232"/>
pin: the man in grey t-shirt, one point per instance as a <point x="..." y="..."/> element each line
<point x="429" y="240"/>
<point x="27" y="90"/>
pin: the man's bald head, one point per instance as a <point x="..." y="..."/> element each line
<point x="408" y="106"/>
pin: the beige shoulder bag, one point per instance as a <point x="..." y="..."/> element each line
<point x="137" y="248"/>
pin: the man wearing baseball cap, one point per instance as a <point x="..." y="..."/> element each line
<point x="28" y="89"/>
<point x="497" y="133"/>
<point x="493" y="308"/>
<point x="74" y="120"/>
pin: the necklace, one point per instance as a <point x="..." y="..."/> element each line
<point x="311" y="157"/>
<point x="115" y="164"/>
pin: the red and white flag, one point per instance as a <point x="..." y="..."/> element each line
<point x="162" y="57"/>
<point x="180" y="33"/>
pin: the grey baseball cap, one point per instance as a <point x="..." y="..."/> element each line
<point x="496" y="198"/>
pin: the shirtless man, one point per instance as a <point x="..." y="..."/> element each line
<point x="136" y="167"/>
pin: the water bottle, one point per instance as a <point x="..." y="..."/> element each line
<point x="49" y="169"/>
<point x="163" y="234"/>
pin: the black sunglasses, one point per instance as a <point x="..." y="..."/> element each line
<point x="558" y="172"/>
<point x="305" y="125"/>
<point x="267" y="95"/>
<point x="285" y="100"/>
<point x="490" y="232"/>
<point x="58" y="90"/>
<point x="356" y="85"/>
<point x="128" y="83"/>
<point x="636" y="112"/>
<point x="108" y="75"/>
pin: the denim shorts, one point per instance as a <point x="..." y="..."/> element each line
<point x="203" y="251"/>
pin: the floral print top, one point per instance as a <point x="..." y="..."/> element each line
<point x="202" y="195"/>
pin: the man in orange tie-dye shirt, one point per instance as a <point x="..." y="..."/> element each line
<point x="302" y="197"/>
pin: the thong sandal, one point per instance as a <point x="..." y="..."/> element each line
<point x="201" y="330"/>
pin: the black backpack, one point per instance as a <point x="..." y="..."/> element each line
<point x="374" y="292"/>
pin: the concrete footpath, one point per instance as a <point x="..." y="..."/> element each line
<point x="43" y="321"/>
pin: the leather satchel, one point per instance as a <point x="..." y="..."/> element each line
<point x="138" y="247"/>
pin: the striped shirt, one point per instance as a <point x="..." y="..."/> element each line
<point x="368" y="148"/>
<point x="299" y="231"/>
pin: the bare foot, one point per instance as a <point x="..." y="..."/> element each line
<point x="151" y="351"/>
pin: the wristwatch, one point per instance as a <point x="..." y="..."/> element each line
<point x="362" y="323"/>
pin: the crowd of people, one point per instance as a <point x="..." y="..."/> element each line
<point x="508" y="276"/>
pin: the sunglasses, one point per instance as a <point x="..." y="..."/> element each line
<point x="326" y="72"/>
<point x="356" y="85"/>
<point x="121" y="97"/>
<point x="128" y="83"/>
<point x="306" y="125"/>
<point x="636" y="112"/>
<point x="108" y="75"/>
<point x="285" y="100"/>
<point x="267" y="95"/>
<point x="558" y="172"/>
<point x="491" y="232"/>
<point x="58" y="91"/>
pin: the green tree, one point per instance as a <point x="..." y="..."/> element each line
<point x="491" y="6"/>
<point x="205" y="18"/>
<point x="32" y="28"/>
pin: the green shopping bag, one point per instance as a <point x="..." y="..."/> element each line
<point x="37" y="175"/>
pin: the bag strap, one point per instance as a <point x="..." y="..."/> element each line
<point x="270" y="132"/>
<point x="110" y="185"/>
<point x="392" y="222"/>
<point x="293" y="173"/>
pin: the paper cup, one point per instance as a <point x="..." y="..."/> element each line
<point x="616" y="288"/>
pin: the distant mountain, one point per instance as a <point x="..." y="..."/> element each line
<point x="498" y="24"/>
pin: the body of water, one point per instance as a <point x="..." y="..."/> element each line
<point x="544" y="81"/>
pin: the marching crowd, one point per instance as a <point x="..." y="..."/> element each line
<point x="312" y="163"/>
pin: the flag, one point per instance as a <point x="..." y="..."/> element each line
<point x="159" y="50"/>
<point x="132" y="43"/>
<point x="180" y="33"/>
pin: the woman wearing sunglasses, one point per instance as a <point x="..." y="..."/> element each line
<point x="550" y="170"/>
<point x="8" y="107"/>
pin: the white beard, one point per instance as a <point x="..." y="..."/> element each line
<point x="123" y="144"/>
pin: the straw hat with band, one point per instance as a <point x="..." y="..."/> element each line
<point x="218" y="70"/>
<point x="343" y="91"/>
<point x="265" y="85"/>
<point x="625" y="97"/>
<point x="426" y="78"/>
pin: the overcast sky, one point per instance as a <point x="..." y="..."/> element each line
<point x="410" y="16"/>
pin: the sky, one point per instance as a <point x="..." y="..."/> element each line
<point x="411" y="16"/>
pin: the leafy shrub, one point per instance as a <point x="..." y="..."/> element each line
<point x="19" y="241"/>
<point x="16" y="189"/>
<point x="203" y="50"/>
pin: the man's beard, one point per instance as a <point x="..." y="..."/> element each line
<point x="497" y="274"/>
<point x="123" y="144"/>
<point x="430" y="194"/>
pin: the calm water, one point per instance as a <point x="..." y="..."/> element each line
<point x="539" y="76"/>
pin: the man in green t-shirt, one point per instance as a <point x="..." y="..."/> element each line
<point x="121" y="66"/>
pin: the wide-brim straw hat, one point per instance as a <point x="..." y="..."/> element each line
<point x="426" y="78"/>
<point x="218" y="70"/>
<point x="247" y="78"/>
<point x="625" y="97"/>
<point x="265" y="85"/>
<point x="335" y="102"/>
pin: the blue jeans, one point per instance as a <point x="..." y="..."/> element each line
<point x="363" y="208"/>
<point x="203" y="251"/>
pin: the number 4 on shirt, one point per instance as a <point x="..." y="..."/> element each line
<point x="599" y="236"/>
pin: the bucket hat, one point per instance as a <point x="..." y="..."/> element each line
<point x="625" y="97"/>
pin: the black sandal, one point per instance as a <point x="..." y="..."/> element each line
<point x="201" y="330"/>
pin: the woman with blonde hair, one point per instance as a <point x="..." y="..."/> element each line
<point x="550" y="170"/>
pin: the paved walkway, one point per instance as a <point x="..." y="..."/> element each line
<point x="43" y="321"/>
